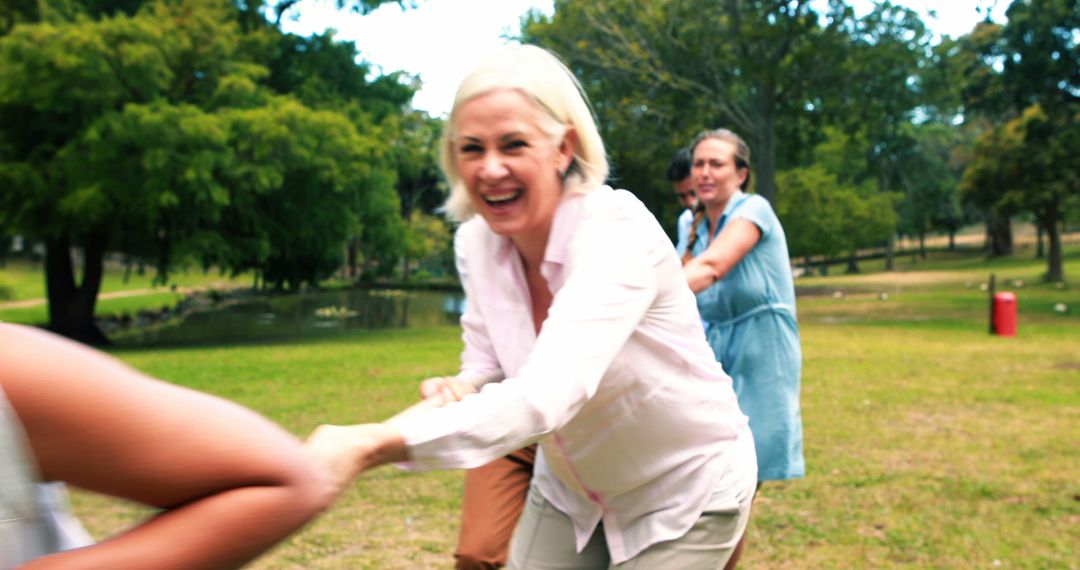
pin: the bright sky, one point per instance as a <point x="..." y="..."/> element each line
<point x="441" y="40"/>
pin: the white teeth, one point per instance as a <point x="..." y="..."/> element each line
<point x="501" y="197"/>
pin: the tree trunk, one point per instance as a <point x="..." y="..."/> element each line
<point x="764" y="157"/>
<point x="1055" y="268"/>
<point x="922" y="245"/>
<point x="952" y="240"/>
<point x="758" y="130"/>
<point x="999" y="234"/>
<point x="354" y="244"/>
<point x="71" y="307"/>
<point x="890" y="248"/>
<point x="852" y="263"/>
<point x="1039" y="240"/>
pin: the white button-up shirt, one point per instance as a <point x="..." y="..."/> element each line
<point x="636" y="421"/>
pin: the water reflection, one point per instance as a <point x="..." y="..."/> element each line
<point x="305" y="314"/>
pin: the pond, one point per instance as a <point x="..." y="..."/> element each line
<point x="308" y="314"/>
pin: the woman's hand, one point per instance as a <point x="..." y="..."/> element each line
<point x="346" y="451"/>
<point x="448" y="388"/>
<point x="736" y="240"/>
<point x="699" y="275"/>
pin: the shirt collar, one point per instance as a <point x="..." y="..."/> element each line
<point x="732" y="203"/>
<point x="563" y="224"/>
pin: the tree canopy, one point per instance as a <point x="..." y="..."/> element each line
<point x="181" y="132"/>
<point x="790" y="76"/>
<point x="1022" y="80"/>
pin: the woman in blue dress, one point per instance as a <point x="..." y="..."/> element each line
<point x="736" y="260"/>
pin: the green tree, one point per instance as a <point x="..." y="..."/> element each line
<point x="642" y="123"/>
<point x="1041" y="56"/>
<point x="826" y="211"/>
<point x="420" y="185"/>
<point x="427" y="243"/>
<point x="785" y="75"/>
<point x="282" y="7"/>
<point x="880" y="99"/>
<point x="156" y="135"/>
<point x="928" y="180"/>
<point x="729" y="63"/>
<point x="1029" y="163"/>
<point x="323" y="73"/>
<point x="812" y="210"/>
<point x="61" y="80"/>
<point x="314" y="180"/>
<point x="1007" y="70"/>
<point x="871" y="222"/>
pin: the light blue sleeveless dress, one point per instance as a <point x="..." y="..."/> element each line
<point x="751" y="326"/>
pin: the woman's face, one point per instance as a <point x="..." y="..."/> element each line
<point x="510" y="167"/>
<point x="716" y="178"/>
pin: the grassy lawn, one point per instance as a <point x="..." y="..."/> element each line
<point x="25" y="281"/>
<point x="929" y="443"/>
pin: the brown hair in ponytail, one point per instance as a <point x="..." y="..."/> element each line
<point x="742" y="160"/>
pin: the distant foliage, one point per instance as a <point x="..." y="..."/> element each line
<point x="191" y="131"/>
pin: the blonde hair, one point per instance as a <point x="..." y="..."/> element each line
<point x="540" y="76"/>
<point x="742" y="160"/>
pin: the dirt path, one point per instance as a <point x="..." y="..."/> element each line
<point x="111" y="295"/>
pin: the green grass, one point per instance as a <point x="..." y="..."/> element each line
<point x="39" y="314"/>
<point x="929" y="443"/>
<point x="25" y="281"/>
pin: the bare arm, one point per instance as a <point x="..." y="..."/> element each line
<point x="230" y="483"/>
<point x="737" y="238"/>
<point x="347" y="451"/>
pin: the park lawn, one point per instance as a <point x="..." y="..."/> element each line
<point x="39" y="314"/>
<point x="929" y="443"/>
<point x="24" y="281"/>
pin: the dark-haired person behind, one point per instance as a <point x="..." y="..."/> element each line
<point x="678" y="174"/>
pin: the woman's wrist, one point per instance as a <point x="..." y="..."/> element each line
<point x="343" y="452"/>
<point x="387" y="445"/>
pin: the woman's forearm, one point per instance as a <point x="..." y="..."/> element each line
<point x="224" y="530"/>
<point x="228" y="482"/>
<point x="723" y="254"/>
<point x="699" y="275"/>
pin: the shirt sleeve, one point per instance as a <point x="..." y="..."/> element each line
<point x="610" y="285"/>
<point x="479" y="363"/>
<point x="756" y="210"/>
<point x="686" y="219"/>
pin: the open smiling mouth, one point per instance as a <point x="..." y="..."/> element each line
<point x="501" y="199"/>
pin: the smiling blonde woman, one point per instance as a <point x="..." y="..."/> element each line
<point x="576" y="298"/>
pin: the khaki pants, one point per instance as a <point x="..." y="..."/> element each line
<point x="545" y="541"/>
<point x="493" y="500"/>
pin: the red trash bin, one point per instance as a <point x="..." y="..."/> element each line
<point x="1005" y="314"/>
